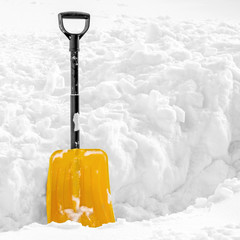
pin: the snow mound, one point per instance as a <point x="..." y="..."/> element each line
<point x="206" y="219"/>
<point x="161" y="98"/>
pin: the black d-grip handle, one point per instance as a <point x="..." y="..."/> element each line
<point x="74" y="15"/>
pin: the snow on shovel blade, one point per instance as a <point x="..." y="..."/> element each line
<point x="78" y="187"/>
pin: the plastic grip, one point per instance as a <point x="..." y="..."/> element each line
<point x="74" y="15"/>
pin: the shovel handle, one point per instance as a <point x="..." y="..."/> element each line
<point x="74" y="15"/>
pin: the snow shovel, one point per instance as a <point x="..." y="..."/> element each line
<point x="78" y="186"/>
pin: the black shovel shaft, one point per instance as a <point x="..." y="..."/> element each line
<point x="74" y="72"/>
<point x="74" y="101"/>
<point x="74" y="49"/>
<point x="75" y="133"/>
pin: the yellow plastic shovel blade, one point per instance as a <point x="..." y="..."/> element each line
<point x="78" y="187"/>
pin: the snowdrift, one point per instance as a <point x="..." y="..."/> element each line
<point x="161" y="98"/>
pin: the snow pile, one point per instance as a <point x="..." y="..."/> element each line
<point x="207" y="219"/>
<point x="160" y="98"/>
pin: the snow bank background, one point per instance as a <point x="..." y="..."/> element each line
<point x="160" y="96"/>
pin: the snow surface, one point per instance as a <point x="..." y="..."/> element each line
<point x="160" y="97"/>
<point x="216" y="217"/>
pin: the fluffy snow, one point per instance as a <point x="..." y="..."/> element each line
<point x="216" y="217"/>
<point x="74" y="216"/>
<point x="161" y="97"/>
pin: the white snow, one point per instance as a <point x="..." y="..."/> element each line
<point x="208" y="221"/>
<point x="74" y="215"/>
<point x="60" y="154"/>
<point x="161" y="97"/>
<point x="87" y="153"/>
<point x="76" y="120"/>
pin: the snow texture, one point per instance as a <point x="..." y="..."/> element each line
<point x="208" y="218"/>
<point x="160" y="97"/>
